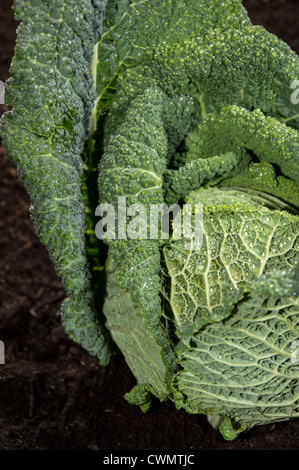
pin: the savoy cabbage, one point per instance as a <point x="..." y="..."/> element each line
<point x="167" y="103"/>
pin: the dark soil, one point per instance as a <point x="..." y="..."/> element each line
<point x="53" y="394"/>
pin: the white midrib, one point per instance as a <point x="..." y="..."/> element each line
<point x="94" y="72"/>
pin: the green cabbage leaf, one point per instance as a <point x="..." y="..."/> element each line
<point x="167" y="104"/>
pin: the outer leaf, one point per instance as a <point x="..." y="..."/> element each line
<point x="191" y="75"/>
<point x="133" y="28"/>
<point x="241" y="241"/>
<point x="132" y="166"/>
<point x="126" y="324"/>
<point x="249" y="59"/>
<point x="238" y="131"/>
<point x="270" y="140"/>
<point x="52" y="94"/>
<point x="244" y="371"/>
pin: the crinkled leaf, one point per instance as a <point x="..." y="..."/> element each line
<point x="244" y="371"/>
<point x="132" y="29"/>
<point x="52" y="95"/>
<point x="242" y="240"/>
